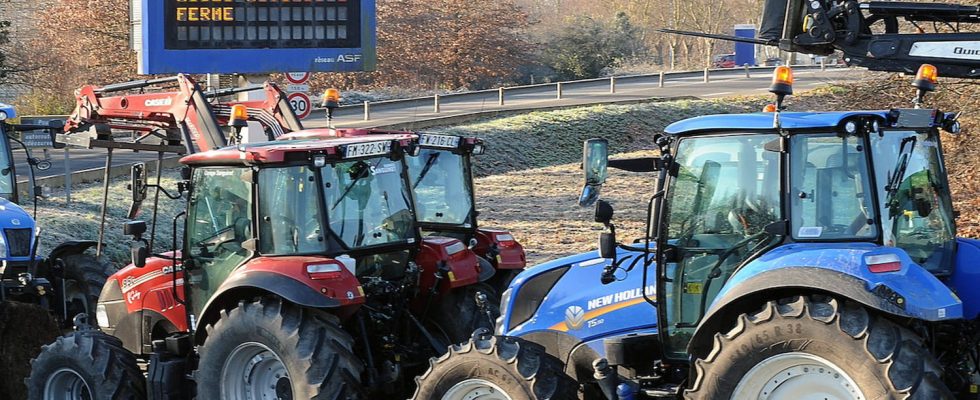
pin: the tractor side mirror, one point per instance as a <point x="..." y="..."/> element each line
<point x="185" y="173"/>
<point x="595" y="162"/>
<point x="139" y="251"/>
<point x="139" y="254"/>
<point x="137" y="187"/>
<point x="607" y="244"/>
<point x="603" y="212"/>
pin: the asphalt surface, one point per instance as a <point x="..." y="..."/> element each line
<point x="722" y="84"/>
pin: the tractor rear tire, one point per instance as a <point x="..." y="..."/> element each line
<point x="86" y="365"/>
<point x="801" y="345"/>
<point x="85" y="275"/>
<point x="497" y="367"/>
<point x="284" y="350"/>
<point x="458" y="315"/>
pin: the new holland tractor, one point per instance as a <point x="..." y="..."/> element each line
<point x="297" y="270"/>
<point x="787" y="255"/>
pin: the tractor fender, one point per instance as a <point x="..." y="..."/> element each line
<point x="501" y="248"/>
<point x="70" y="247"/>
<point x="450" y="258"/>
<point x="284" y="277"/>
<point x="835" y="269"/>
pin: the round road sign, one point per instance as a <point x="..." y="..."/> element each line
<point x="301" y="104"/>
<point x="297" y="77"/>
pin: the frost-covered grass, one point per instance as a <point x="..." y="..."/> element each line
<point x="79" y="220"/>
<point x="545" y="138"/>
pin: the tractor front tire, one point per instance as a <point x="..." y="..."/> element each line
<point x="85" y="275"/>
<point x="271" y="349"/>
<point x="510" y="367"/>
<point x="86" y="364"/>
<point x="806" y="346"/>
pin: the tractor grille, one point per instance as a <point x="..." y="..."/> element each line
<point x="19" y="242"/>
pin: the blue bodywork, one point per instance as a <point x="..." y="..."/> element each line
<point x="12" y="216"/>
<point x="760" y="121"/>
<point x="580" y="307"/>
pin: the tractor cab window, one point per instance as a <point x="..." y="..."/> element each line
<point x="725" y="192"/>
<point x="368" y="202"/>
<point x="7" y="175"/>
<point x="219" y="216"/>
<point x="441" y="186"/>
<point x="915" y="205"/>
<point x="830" y="190"/>
<point x="289" y="212"/>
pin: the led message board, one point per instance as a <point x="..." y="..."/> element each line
<point x="256" y="36"/>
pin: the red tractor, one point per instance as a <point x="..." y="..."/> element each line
<point x="301" y="271"/>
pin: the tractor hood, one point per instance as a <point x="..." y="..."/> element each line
<point x="565" y="297"/>
<point x="13" y="216"/>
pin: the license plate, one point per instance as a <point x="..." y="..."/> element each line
<point x="367" y="149"/>
<point x="443" y="141"/>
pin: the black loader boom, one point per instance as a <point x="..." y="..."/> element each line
<point x="878" y="35"/>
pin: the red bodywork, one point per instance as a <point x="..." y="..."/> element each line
<point x="151" y="288"/>
<point x="506" y="250"/>
<point x="462" y="266"/>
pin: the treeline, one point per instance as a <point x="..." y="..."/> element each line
<point x="422" y="44"/>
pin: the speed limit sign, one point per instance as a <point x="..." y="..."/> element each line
<point x="300" y="103"/>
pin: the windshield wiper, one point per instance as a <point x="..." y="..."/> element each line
<point x="425" y="168"/>
<point x="895" y="181"/>
<point x="351" y="185"/>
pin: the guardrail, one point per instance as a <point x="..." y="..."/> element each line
<point x="437" y="100"/>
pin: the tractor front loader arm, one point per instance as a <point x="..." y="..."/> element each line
<point x="870" y="34"/>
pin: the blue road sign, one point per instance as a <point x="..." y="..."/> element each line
<point x="745" y="52"/>
<point x="257" y="36"/>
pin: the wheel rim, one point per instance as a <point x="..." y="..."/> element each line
<point x="475" y="389"/>
<point x="797" y="376"/>
<point x="254" y="372"/>
<point x="66" y="384"/>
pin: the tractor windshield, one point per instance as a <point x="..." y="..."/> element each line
<point x="7" y="175"/>
<point x="916" y="209"/>
<point x="830" y="187"/>
<point x="368" y="202"/>
<point x="443" y="191"/>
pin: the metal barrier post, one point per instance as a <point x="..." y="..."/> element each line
<point x="500" y="95"/>
<point x="661" y="82"/>
<point x="747" y="73"/>
<point x="367" y="110"/>
<point x="435" y="104"/>
<point x="559" y="91"/>
<point x="706" y="79"/>
<point x="823" y="64"/>
<point x="612" y="84"/>
<point x="67" y="177"/>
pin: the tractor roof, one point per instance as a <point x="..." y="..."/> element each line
<point x="9" y="110"/>
<point x="286" y="151"/>
<point x="764" y="121"/>
<point x="325" y="133"/>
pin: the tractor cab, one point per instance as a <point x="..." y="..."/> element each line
<point x="442" y="184"/>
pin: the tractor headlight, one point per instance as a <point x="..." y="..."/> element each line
<point x="3" y="246"/>
<point x="101" y="316"/>
<point x="3" y="115"/>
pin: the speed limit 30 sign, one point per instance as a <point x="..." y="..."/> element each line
<point x="301" y="104"/>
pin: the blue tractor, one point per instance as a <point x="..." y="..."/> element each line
<point x="68" y="281"/>
<point x="787" y="255"/>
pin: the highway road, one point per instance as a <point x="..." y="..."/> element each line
<point x="410" y="114"/>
